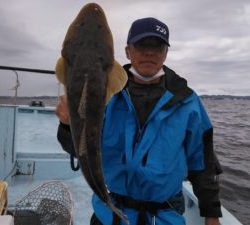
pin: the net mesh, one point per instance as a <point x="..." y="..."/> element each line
<point x="48" y="204"/>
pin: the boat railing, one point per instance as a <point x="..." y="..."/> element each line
<point x="17" y="84"/>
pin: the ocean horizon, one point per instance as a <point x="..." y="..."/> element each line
<point x="53" y="100"/>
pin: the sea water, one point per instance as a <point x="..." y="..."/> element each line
<point x="231" y="120"/>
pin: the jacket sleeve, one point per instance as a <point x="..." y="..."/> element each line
<point x="65" y="139"/>
<point x="205" y="181"/>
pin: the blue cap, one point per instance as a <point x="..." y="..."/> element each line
<point x="148" y="27"/>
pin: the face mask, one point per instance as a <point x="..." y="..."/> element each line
<point x="136" y="74"/>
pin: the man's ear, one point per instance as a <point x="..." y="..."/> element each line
<point x="166" y="54"/>
<point x="127" y="52"/>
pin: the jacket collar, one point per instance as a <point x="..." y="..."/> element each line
<point x="174" y="83"/>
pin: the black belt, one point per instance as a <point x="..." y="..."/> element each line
<point x="141" y="206"/>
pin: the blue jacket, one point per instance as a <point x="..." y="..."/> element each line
<point x="150" y="163"/>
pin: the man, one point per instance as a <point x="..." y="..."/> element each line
<point x="156" y="134"/>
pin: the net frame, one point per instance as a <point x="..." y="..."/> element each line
<point x="47" y="204"/>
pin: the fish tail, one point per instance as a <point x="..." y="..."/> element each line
<point x="119" y="213"/>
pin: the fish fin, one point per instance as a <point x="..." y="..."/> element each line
<point x="82" y="149"/>
<point x="119" y="213"/>
<point x="117" y="79"/>
<point x="60" y="70"/>
<point x="82" y="104"/>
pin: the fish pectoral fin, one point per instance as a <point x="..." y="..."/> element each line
<point x="117" y="79"/>
<point x="82" y="104"/>
<point x="60" y="70"/>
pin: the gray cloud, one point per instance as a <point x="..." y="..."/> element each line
<point x="14" y="41"/>
<point x="209" y="39"/>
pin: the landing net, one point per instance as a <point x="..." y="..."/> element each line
<point x="48" y="204"/>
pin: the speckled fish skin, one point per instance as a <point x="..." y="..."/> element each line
<point x="88" y="51"/>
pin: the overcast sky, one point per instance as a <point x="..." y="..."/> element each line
<point x="210" y="40"/>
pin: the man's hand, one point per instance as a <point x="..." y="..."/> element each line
<point x="212" y="221"/>
<point x="62" y="110"/>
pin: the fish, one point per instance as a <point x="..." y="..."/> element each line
<point x="91" y="76"/>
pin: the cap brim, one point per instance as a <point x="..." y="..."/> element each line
<point x="144" y="35"/>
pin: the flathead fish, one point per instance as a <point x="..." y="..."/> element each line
<point x="91" y="76"/>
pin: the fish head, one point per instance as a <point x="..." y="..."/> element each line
<point x="90" y="27"/>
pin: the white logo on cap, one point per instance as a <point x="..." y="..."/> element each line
<point x="161" y="29"/>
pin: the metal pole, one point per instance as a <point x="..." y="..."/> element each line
<point x="16" y="87"/>
<point x="26" y="69"/>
